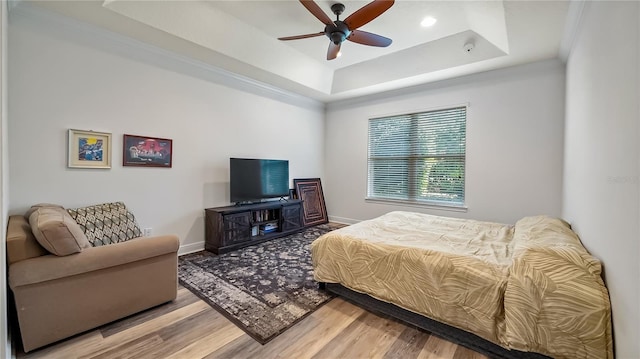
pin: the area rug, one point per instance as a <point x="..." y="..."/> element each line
<point x="265" y="288"/>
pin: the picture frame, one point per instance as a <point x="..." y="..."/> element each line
<point x="147" y="151"/>
<point x="309" y="190"/>
<point x="89" y="149"/>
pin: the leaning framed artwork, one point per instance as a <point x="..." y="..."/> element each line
<point x="145" y="151"/>
<point x="89" y="149"/>
<point x="309" y="190"/>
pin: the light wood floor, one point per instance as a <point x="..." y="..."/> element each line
<point x="189" y="328"/>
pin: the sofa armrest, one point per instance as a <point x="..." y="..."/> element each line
<point x="51" y="267"/>
<point x="21" y="243"/>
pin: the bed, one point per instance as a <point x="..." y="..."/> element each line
<point x="527" y="290"/>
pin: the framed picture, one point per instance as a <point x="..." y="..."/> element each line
<point x="89" y="149"/>
<point x="145" y="151"/>
<point x="309" y="190"/>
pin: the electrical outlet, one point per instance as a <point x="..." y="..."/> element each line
<point x="146" y="232"/>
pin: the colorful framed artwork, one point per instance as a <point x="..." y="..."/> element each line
<point x="145" y="151"/>
<point x="89" y="149"/>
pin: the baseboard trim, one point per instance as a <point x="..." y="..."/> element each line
<point x="190" y="248"/>
<point x="343" y="220"/>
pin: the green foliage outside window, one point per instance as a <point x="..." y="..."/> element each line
<point x="418" y="157"/>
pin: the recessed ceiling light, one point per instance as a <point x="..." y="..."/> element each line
<point x="428" y="21"/>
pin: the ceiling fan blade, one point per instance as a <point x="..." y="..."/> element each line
<point x="316" y="11"/>
<point x="332" y="53"/>
<point x="300" y="36"/>
<point x="367" y="13"/>
<point x="367" y="38"/>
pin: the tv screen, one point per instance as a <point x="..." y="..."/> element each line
<point x="257" y="179"/>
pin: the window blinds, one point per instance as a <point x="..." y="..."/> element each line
<point x="418" y="157"/>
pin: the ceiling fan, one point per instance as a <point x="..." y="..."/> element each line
<point x="338" y="31"/>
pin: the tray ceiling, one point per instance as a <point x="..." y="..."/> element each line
<point x="241" y="37"/>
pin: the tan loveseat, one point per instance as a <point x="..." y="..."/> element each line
<point x="57" y="296"/>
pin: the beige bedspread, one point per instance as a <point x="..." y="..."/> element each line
<point x="451" y="270"/>
<point x="531" y="287"/>
<point x="556" y="302"/>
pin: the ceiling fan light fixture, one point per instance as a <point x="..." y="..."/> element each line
<point x="428" y="21"/>
<point x="337" y="37"/>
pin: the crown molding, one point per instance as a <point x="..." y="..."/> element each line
<point x="121" y="45"/>
<point x="572" y="25"/>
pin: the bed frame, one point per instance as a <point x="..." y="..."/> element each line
<point x="445" y="331"/>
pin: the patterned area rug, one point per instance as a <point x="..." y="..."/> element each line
<point x="265" y="288"/>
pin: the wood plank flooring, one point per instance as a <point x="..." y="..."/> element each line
<point x="189" y="328"/>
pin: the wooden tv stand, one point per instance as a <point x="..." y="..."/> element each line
<point x="233" y="227"/>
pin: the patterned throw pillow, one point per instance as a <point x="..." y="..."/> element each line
<point x="106" y="223"/>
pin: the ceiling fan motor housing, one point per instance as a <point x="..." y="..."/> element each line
<point x="337" y="32"/>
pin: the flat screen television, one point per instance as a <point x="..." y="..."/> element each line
<point x="254" y="180"/>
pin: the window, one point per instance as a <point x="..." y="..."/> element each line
<point x="418" y="158"/>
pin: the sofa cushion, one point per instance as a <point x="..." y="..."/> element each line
<point x="57" y="232"/>
<point x="106" y="223"/>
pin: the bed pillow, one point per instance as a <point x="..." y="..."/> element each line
<point x="56" y="231"/>
<point x="549" y="234"/>
<point x="106" y="223"/>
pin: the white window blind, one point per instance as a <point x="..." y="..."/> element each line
<point x="418" y="157"/>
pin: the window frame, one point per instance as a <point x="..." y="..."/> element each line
<point x="415" y="202"/>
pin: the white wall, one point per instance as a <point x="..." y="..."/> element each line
<point x="514" y="143"/>
<point x="5" y="343"/>
<point x="601" y="175"/>
<point x="66" y="75"/>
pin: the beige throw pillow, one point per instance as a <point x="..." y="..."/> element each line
<point x="57" y="232"/>
<point x="35" y="207"/>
